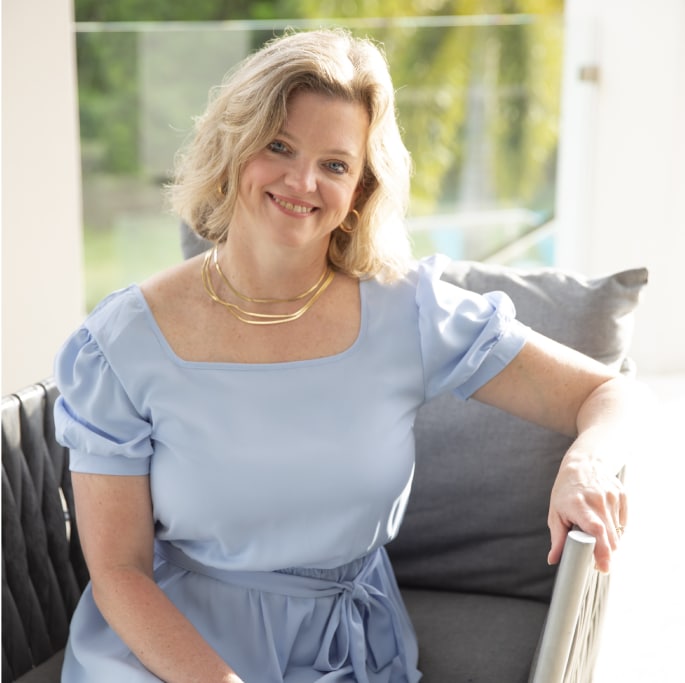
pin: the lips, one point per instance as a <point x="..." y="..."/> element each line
<point x="290" y="206"/>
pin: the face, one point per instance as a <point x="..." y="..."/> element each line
<point x="303" y="184"/>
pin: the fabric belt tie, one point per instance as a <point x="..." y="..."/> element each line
<point x="361" y="620"/>
<point x="362" y="617"/>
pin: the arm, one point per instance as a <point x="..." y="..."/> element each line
<point x="561" y="389"/>
<point x="116" y="528"/>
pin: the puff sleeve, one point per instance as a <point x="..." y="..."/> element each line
<point x="466" y="338"/>
<point x="94" y="416"/>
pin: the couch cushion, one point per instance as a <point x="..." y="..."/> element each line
<point x="48" y="672"/>
<point x="477" y="518"/>
<point x="591" y="315"/>
<point x="468" y="637"/>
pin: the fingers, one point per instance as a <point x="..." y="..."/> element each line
<point x="607" y="523"/>
<point x="558" y="531"/>
<point x="622" y="516"/>
<point x="601" y="512"/>
<point x="605" y="545"/>
<point x="618" y="502"/>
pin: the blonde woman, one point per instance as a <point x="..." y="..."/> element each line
<point x="241" y="424"/>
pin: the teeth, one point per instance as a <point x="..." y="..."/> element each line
<point x="292" y="207"/>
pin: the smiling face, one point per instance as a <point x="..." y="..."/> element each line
<point x="303" y="184"/>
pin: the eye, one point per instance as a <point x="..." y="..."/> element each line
<point x="277" y="147"/>
<point x="338" y="167"/>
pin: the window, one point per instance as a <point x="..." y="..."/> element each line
<point x="478" y="100"/>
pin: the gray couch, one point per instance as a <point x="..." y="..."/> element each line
<point x="471" y="554"/>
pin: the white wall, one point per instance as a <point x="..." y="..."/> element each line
<point x="622" y="160"/>
<point x="42" y="289"/>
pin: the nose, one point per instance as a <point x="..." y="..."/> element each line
<point x="301" y="176"/>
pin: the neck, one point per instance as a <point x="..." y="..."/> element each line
<point x="269" y="274"/>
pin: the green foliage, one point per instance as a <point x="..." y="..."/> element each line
<point x="108" y="95"/>
<point x="476" y="99"/>
<point x="161" y="10"/>
<point x="525" y="134"/>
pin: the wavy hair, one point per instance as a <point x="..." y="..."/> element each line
<point x="249" y="108"/>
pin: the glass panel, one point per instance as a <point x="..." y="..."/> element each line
<point x="478" y="101"/>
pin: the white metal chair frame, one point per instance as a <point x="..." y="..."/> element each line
<point x="569" y="641"/>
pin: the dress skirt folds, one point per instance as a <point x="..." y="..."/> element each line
<point x="268" y="625"/>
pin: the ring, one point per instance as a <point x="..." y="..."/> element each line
<point x="620" y="529"/>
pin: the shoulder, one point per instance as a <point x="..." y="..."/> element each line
<point x="180" y="309"/>
<point x="115" y="311"/>
<point x="421" y="281"/>
<point x="174" y="285"/>
<point x="125" y="320"/>
<point x="107" y="331"/>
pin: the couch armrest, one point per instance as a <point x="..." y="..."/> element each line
<point x="568" y="644"/>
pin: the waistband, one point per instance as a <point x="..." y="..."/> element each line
<point x="294" y="581"/>
<point x="368" y="629"/>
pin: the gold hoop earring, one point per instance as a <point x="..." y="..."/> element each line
<point x="346" y="228"/>
<point x="220" y="190"/>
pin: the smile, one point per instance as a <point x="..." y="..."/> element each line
<point x="296" y="208"/>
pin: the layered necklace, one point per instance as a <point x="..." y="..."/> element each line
<point x="252" y="317"/>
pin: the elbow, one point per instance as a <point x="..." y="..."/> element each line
<point x="116" y="586"/>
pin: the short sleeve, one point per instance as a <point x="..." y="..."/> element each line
<point x="466" y="338"/>
<point x="94" y="417"/>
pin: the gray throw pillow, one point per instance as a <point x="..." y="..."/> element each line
<point x="477" y="517"/>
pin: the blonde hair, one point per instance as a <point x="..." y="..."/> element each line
<point x="247" y="111"/>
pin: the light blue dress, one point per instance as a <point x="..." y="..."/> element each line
<point x="275" y="486"/>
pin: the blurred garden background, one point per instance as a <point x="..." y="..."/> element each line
<point x="478" y="90"/>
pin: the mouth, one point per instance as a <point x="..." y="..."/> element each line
<point x="301" y="209"/>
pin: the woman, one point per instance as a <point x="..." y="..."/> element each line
<point x="241" y="424"/>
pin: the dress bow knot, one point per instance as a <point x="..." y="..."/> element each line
<point x="357" y="633"/>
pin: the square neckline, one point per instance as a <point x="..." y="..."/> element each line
<point x="235" y="365"/>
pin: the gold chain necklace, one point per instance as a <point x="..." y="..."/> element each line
<point x="252" y="318"/>
<point x="244" y="297"/>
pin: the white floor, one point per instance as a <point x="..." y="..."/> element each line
<point x="644" y="632"/>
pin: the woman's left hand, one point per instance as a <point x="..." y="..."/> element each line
<point x="608" y="415"/>
<point x="587" y="494"/>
